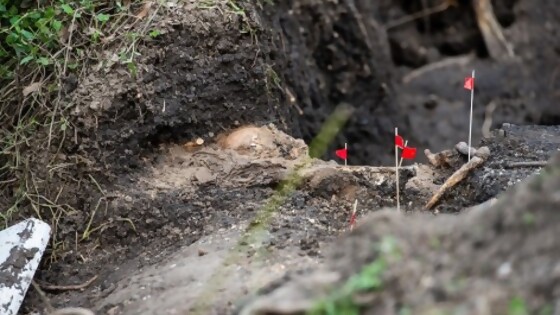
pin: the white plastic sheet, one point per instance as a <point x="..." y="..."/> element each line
<point x="21" y="248"/>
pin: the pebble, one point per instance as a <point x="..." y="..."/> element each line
<point x="463" y="148"/>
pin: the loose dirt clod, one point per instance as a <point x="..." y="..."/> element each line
<point x="481" y="156"/>
<point x="440" y="159"/>
<point x="52" y="287"/>
<point x="192" y="146"/>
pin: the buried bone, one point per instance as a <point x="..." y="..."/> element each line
<point x="480" y="157"/>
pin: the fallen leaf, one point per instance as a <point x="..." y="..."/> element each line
<point x="145" y="10"/>
<point x="33" y="87"/>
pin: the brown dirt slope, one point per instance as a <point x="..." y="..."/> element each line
<point x="500" y="259"/>
<point x="190" y="210"/>
<point x="130" y="201"/>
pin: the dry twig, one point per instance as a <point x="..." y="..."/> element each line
<point x="53" y="287"/>
<point x="451" y="61"/>
<point x="496" y="43"/>
<point x="490" y="108"/>
<point x="481" y="156"/>
<point x="526" y="164"/>
<point x="422" y="14"/>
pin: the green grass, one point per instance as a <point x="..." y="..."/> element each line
<point x="41" y="44"/>
<point x="368" y="280"/>
<point x="517" y="307"/>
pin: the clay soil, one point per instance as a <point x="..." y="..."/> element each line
<point x="171" y="227"/>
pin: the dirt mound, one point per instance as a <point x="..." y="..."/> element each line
<point x="210" y="72"/>
<point x="492" y="260"/>
<point x="183" y="225"/>
<point x="192" y="207"/>
<point x="164" y="159"/>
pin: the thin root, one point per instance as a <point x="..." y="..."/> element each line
<point x="52" y="287"/>
<point x="526" y="164"/>
<point x="451" y="61"/>
<point x="446" y="4"/>
<point x="498" y="47"/>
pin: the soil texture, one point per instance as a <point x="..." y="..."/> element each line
<point x="170" y="167"/>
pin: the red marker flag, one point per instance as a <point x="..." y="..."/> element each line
<point x="342" y="153"/>
<point x="469" y="83"/>
<point x="399" y="142"/>
<point x="408" y="153"/>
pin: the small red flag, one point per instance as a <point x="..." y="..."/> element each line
<point x="469" y="83"/>
<point x="342" y="153"/>
<point x="409" y="153"/>
<point x="399" y="142"/>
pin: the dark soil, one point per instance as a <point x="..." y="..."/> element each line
<point x="492" y="260"/>
<point x="155" y="205"/>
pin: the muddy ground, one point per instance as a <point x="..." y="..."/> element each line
<point x="494" y="259"/>
<point x="174" y="255"/>
<point x="161" y="213"/>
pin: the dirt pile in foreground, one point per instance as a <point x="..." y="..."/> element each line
<point x="132" y="199"/>
<point x="181" y="244"/>
<point x="499" y="259"/>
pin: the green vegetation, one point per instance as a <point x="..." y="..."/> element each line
<point x="44" y="45"/>
<point x="517" y="307"/>
<point x="368" y="280"/>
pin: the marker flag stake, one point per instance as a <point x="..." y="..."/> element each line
<point x="471" y="115"/>
<point x="346" y="149"/>
<point x="397" y="168"/>
<point x="400" y="163"/>
<point x="353" y="216"/>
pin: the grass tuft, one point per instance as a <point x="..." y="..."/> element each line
<point x="368" y="280"/>
<point x="45" y="48"/>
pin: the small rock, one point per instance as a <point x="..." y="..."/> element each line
<point x="203" y="175"/>
<point x="463" y="148"/>
<point x="94" y="105"/>
<point x="483" y="152"/>
<point x="504" y="270"/>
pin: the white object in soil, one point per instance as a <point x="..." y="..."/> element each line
<point x="21" y="248"/>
